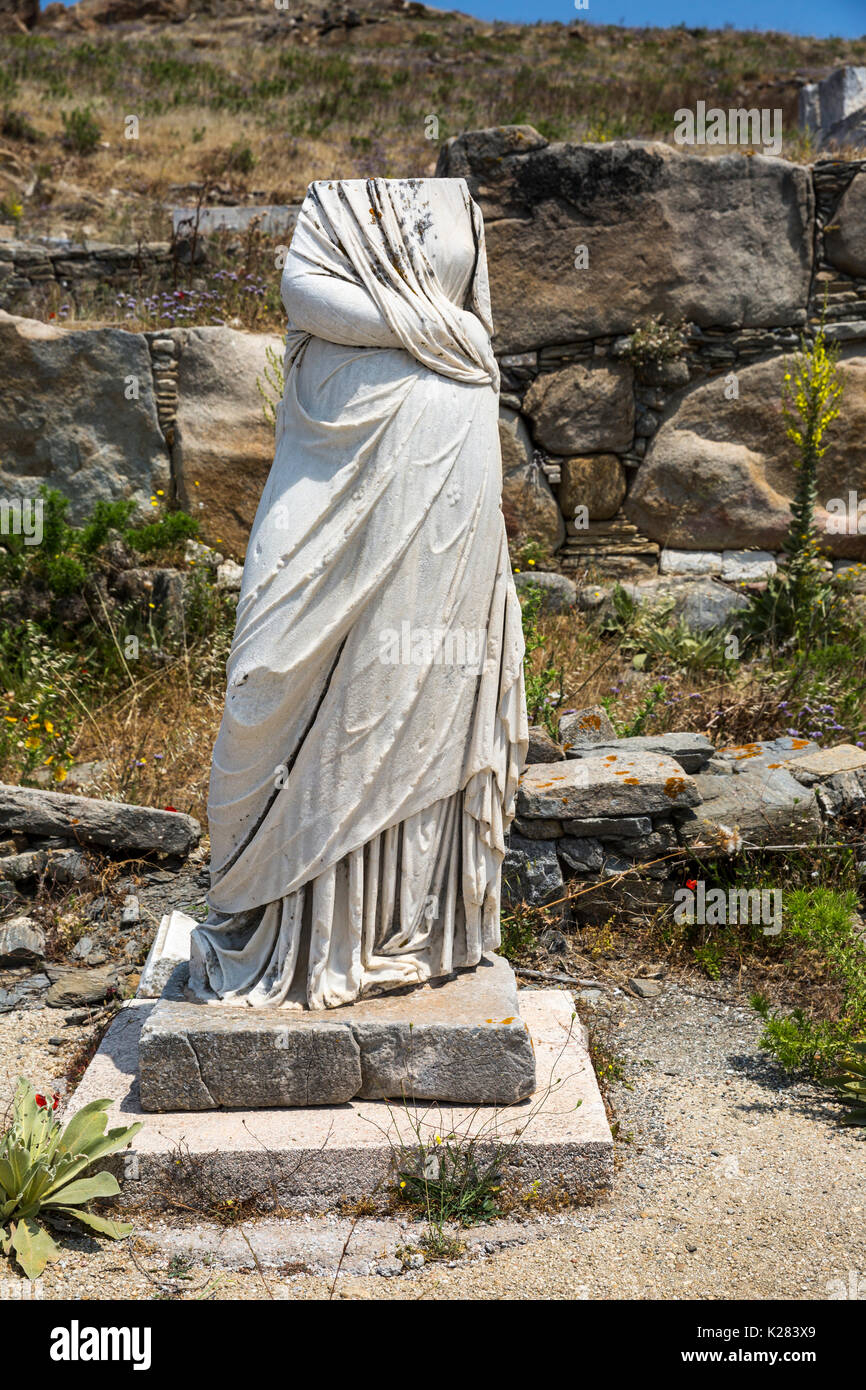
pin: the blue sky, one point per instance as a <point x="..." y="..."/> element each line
<point x="843" y="17"/>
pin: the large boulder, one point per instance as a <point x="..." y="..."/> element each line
<point x="531" y="511"/>
<point x="724" y="242"/>
<point x="845" y="238"/>
<point x="720" y="473"/>
<point x="583" y="407"/>
<point x="842" y="97"/>
<point x="224" y="446"/>
<point x="78" y="413"/>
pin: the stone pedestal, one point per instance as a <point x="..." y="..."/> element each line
<point x="459" y="1040"/>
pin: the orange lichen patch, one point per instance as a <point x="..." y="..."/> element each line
<point x="590" y="721"/>
<point x="632" y="782"/>
<point x="744" y="750"/>
<point x="774" y="764"/>
<point x="610" y="758"/>
<point x="500" y="1020"/>
<point x="674" y="787"/>
<point x="799" y="743"/>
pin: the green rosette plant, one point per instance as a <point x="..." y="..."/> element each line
<point x="41" y="1168"/>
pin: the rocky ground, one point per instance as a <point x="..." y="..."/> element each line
<point x="731" y="1183"/>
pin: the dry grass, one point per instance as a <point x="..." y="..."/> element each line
<point x="353" y="103"/>
<point x="157" y="737"/>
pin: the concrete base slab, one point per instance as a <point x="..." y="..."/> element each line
<point x="328" y="1157"/>
<point x="458" y="1039"/>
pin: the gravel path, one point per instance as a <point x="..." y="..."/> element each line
<point x="731" y="1183"/>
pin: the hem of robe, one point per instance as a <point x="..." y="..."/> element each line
<point x="416" y="903"/>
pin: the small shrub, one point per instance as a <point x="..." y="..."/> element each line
<point x="271" y="385"/>
<point x="10" y="208"/>
<point x="519" y="931"/>
<point x="14" y="125"/>
<point x="81" y="132"/>
<point x="655" y="341"/>
<point x="655" y="639"/>
<point x="240" y="158"/>
<point x="822" y="920"/>
<point x="448" y="1181"/>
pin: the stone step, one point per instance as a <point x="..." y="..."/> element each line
<point x="319" y="1158"/>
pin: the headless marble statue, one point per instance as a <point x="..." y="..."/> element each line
<point x="375" y="724"/>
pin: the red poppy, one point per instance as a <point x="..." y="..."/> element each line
<point x="691" y="883"/>
<point x="42" y="1102"/>
<point x="55" y="1099"/>
<point x="169" y="808"/>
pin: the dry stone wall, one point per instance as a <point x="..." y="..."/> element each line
<point x="614" y="462"/>
<point x="745" y="253"/>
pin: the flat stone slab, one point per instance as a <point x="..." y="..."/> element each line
<point x="828" y="762"/>
<point x="460" y="1040"/>
<point x="616" y="784"/>
<point x="766" y="754"/>
<point x="319" y="1158"/>
<point x="691" y="751"/>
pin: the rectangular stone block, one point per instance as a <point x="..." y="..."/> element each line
<point x="691" y="751"/>
<point x="618" y="784"/>
<point x="460" y="1039"/>
<point x="111" y="825"/>
<point x="690" y="562"/>
<point x="762" y="806"/>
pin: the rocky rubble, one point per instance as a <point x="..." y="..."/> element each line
<point x="83" y="883"/>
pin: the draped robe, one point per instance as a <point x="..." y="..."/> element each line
<point x="375" y="727"/>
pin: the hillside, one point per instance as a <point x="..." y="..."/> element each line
<point x="254" y="101"/>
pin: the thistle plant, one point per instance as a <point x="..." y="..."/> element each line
<point x="41" y="1163"/>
